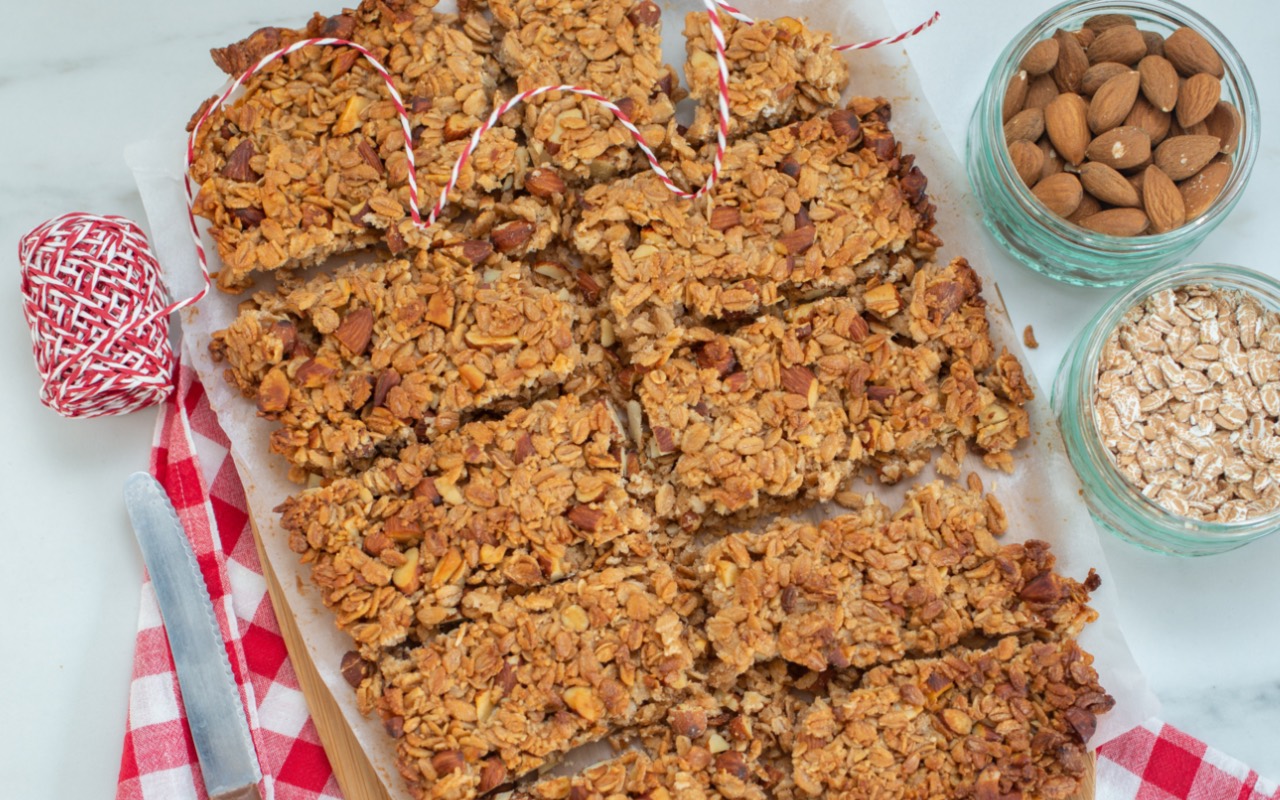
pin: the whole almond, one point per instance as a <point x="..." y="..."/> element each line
<point x="1085" y="37"/>
<point x="1027" y="124"/>
<point x="1151" y="119"/>
<point x="1060" y="193"/>
<point x="1072" y="62"/>
<point x="1224" y="122"/>
<point x="1190" y="53"/>
<point x="1120" y="43"/>
<point x="1052" y="163"/>
<point x="1159" y="82"/>
<point x="1183" y="156"/>
<point x="1041" y="91"/>
<point x="1041" y="58"/>
<point x="1155" y="43"/>
<point x="1197" y="98"/>
<point x="1015" y="95"/>
<point x="1089" y="205"/>
<point x="1107" y="185"/>
<point x="1099" y="74"/>
<point x="1113" y="101"/>
<point x="1121" y="148"/>
<point x="1028" y="160"/>
<point x="1065" y="120"/>
<point x="1100" y="22"/>
<point x="1162" y="201"/>
<point x="1199" y="191"/>
<point x="1117" y="222"/>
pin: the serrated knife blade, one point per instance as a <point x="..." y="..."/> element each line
<point x="209" y="693"/>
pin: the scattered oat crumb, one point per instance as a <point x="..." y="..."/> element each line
<point x="1029" y="338"/>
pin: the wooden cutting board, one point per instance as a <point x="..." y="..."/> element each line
<point x="350" y="765"/>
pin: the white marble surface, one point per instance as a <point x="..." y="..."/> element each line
<point x="79" y="80"/>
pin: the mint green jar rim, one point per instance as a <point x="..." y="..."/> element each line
<point x="1063" y="250"/>
<point x="1113" y="499"/>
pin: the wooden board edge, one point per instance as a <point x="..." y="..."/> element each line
<point x="351" y="768"/>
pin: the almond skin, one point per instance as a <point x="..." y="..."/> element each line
<point x="1151" y="119"/>
<point x="1028" y="160"/>
<point x="1180" y="157"/>
<point x="1015" y="95"/>
<point x="1060" y="193"/>
<point x="1026" y="125"/>
<point x="1121" y="148"/>
<point x="1117" y="222"/>
<point x="1224" y="122"/>
<point x="1099" y="74"/>
<point x="1197" y="98"/>
<point x="1191" y="53"/>
<point x="1159" y="82"/>
<point x="1066" y="122"/>
<point x="1041" y="91"/>
<point x="1113" y="101"/>
<point x="1108" y="185"/>
<point x="1199" y="191"/>
<point x="1072" y="62"/>
<point x="1100" y="22"/>
<point x="1155" y="43"/>
<point x="1120" y="43"/>
<point x="1162" y="201"/>
<point x="1089" y="205"/>
<point x="1041" y="58"/>
<point x="1052" y="164"/>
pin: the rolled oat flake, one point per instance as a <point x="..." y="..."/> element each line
<point x="1187" y="402"/>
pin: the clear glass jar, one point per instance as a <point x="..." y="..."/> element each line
<point x="1063" y="250"/>
<point x="1116" y="503"/>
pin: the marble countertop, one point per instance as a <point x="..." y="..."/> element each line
<point x="80" y="80"/>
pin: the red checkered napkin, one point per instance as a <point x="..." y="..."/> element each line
<point x="1154" y="762"/>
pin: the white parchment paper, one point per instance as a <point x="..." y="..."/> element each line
<point x="1041" y="497"/>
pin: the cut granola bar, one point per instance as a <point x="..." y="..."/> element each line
<point x="548" y="671"/>
<point x="612" y="47"/>
<point x="351" y="364"/>
<point x="505" y="505"/>
<point x="779" y="71"/>
<point x="310" y="161"/>
<point x="790" y="407"/>
<point x="1007" y="722"/>
<point x="802" y="211"/>
<point x="870" y="588"/>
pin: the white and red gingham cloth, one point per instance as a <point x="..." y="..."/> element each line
<point x="1153" y="762"/>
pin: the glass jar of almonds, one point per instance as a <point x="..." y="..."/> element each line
<point x="1111" y="138"/>
<point x="1169" y="405"/>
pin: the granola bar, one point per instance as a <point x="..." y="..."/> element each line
<point x="351" y="364"/>
<point x="790" y="407"/>
<point x="509" y="504"/>
<point x="1011" y="721"/>
<point x="802" y="211"/>
<point x="779" y="71"/>
<point x="549" y="670"/>
<point x="873" y="587"/>
<point x="734" y="743"/>
<point x="310" y="161"/>
<point x="612" y="47"/>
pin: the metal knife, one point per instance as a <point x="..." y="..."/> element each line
<point x="209" y="693"/>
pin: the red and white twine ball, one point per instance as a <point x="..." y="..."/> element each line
<point x="93" y="292"/>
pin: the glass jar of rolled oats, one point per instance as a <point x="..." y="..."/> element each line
<point x="1169" y="405"/>
<point x="1078" y="243"/>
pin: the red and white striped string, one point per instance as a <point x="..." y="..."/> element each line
<point x="94" y="298"/>
<point x="714" y="7"/>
